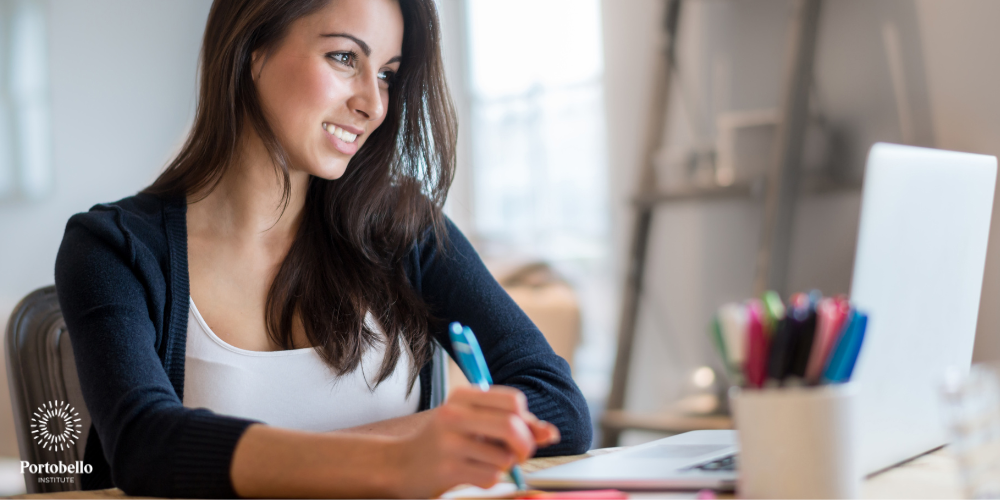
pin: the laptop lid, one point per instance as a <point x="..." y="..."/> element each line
<point x="925" y="222"/>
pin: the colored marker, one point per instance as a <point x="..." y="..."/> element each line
<point x="846" y="353"/>
<point x="473" y="365"/>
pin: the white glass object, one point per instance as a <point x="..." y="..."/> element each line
<point x="973" y="407"/>
<point x="798" y="442"/>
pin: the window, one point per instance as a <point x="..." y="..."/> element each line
<point x="538" y="152"/>
<point x="25" y="153"/>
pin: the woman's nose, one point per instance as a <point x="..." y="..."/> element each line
<point x="367" y="99"/>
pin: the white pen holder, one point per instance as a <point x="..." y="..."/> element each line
<point x="797" y="442"/>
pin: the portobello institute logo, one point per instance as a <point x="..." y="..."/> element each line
<point x="56" y="425"/>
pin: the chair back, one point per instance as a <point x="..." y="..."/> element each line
<point x="50" y="417"/>
<point x="439" y="376"/>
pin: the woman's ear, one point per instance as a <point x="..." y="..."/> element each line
<point x="257" y="59"/>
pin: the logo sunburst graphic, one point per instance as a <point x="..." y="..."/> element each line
<point x="56" y="426"/>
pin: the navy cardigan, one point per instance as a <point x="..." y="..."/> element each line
<point x="122" y="280"/>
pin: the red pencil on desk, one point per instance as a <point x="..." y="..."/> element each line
<point x="581" y="495"/>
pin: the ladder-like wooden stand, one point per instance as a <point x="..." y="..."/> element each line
<point x="782" y="185"/>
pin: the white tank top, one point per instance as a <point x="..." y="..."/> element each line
<point x="293" y="389"/>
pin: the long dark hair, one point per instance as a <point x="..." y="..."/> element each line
<point x="348" y="255"/>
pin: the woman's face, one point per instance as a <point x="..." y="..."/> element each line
<point x="325" y="87"/>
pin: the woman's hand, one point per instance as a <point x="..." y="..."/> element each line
<point x="473" y="438"/>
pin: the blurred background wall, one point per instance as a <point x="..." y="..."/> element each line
<point x="965" y="102"/>
<point x="122" y="91"/>
<point x="731" y="56"/>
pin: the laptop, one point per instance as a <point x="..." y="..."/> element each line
<point x="918" y="272"/>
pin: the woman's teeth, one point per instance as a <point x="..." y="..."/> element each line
<point x="340" y="133"/>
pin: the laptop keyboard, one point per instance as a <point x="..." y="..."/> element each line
<point x="726" y="463"/>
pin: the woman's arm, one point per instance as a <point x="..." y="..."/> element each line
<point x="393" y="427"/>
<point x="458" y="287"/>
<point x="281" y="463"/>
<point x="445" y="449"/>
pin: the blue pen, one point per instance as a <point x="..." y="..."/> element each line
<point x="845" y="354"/>
<point x="473" y="365"/>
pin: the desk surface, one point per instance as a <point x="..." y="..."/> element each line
<point x="934" y="475"/>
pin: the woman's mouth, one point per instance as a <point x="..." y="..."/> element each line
<point x="343" y="141"/>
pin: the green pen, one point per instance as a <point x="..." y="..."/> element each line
<point x="720" y="344"/>
<point x="774" y="310"/>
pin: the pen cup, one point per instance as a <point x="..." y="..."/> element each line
<point x="797" y="442"/>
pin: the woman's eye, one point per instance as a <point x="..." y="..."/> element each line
<point x="345" y="58"/>
<point x="387" y="76"/>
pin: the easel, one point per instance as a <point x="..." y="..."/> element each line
<point x="782" y="186"/>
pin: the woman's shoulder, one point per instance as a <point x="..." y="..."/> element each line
<point x="437" y="237"/>
<point x="440" y="246"/>
<point x="142" y="206"/>
<point x="144" y="220"/>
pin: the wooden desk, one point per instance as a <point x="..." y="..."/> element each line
<point x="934" y="475"/>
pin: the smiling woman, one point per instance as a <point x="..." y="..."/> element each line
<point x="303" y="217"/>
<point x="327" y="70"/>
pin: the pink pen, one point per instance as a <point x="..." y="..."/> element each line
<point x="832" y="314"/>
<point x="757" y="345"/>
